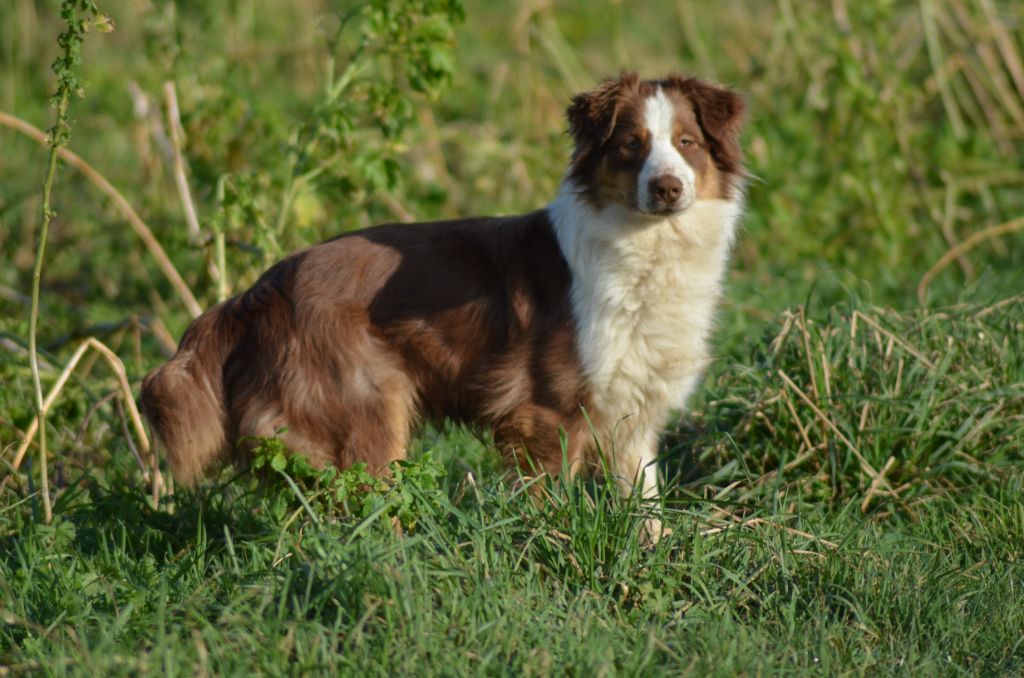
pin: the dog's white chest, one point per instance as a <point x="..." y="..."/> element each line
<point x="644" y="300"/>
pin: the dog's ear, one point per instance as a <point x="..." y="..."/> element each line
<point x="592" y="115"/>
<point x="720" y="114"/>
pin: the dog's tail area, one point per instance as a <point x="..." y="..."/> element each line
<point x="184" y="400"/>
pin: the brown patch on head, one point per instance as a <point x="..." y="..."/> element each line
<point x="612" y="140"/>
<point x="718" y="112"/>
<point x="606" y="124"/>
<point x="593" y="115"/>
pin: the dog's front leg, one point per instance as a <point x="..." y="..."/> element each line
<point x="634" y="465"/>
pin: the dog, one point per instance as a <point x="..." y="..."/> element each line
<point x="587" y="319"/>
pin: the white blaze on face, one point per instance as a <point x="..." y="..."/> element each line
<point x="664" y="158"/>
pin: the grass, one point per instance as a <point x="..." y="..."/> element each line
<point x="768" y="570"/>
<point x="846" y="493"/>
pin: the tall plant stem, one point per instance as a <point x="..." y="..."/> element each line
<point x="67" y="85"/>
<point x="33" y="323"/>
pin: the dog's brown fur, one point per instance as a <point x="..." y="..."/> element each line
<point x="348" y="343"/>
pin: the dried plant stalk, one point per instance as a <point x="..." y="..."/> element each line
<point x="152" y="476"/>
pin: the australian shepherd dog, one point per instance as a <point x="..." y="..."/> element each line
<point x="588" y="318"/>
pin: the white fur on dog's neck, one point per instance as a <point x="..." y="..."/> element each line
<point x="644" y="294"/>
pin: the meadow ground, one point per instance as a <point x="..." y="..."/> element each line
<point x="846" y="493"/>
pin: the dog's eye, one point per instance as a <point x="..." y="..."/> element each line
<point x="634" y="145"/>
<point x="685" y="141"/>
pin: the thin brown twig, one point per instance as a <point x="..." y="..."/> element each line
<point x="875" y="482"/>
<point x="178" y="162"/>
<point x="30" y="432"/>
<point x="128" y="440"/>
<point x="976" y="239"/>
<point x="865" y="466"/>
<point x="895" y="339"/>
<point x="139" y="226"/>
<point x="122" y="378"/>
<point x="163" y="336"/>
<point x="214" y="264"/>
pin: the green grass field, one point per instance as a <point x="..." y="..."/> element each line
<point x="846" y="493"/>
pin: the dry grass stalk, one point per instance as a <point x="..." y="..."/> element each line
<point x="153" y="476"/>
<point x="1003" y="40"/>
<point x="895" y="339"/>
<point x="796" y="420"/>
<point x="163" y="336"/>
<point x="806" y="337"/>
<point x="875" y="482"/>
<point x="178" y="163"/>
<point x="1016" y="299"/>
<point x="179" y="168"/>
<point x="976" y="239"/>
<point x="737" y="521"/>
<point x="938" y="68"/>
<point x="139" y="226"/>
<point x="865" y="466"/>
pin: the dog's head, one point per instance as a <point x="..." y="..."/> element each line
<point x="656" y="146"/>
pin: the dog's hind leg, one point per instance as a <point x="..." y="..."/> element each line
<point x="379" y="422"/>
<point x="346" y="394"/>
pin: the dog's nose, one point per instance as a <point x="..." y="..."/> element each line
<point x="666" y="188"/>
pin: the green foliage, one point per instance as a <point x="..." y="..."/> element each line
<point x="80" y="17"/>
<point x="410" y="488"/>
<point x="378" y="58"/>
<point x="493" y="584"/>
<point x="398" y="46"/>
<point x="863" y="160"/>
<point x="934" y="399"/>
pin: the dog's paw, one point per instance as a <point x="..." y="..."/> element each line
<point x="653" y="532"/>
